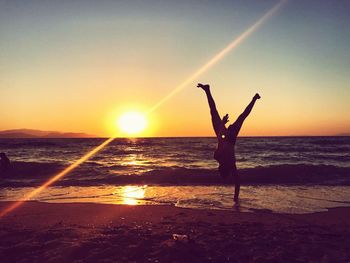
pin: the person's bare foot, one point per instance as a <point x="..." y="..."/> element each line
<point x="205" y="87"/>
<point x="257" y="96"/>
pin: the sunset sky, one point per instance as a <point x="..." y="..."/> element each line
<point x="76" y="66"/>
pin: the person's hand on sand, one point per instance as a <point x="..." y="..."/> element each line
<point x="257" y="96"/>
<point x="225" y="119"/>
<point x="203" y="86"/>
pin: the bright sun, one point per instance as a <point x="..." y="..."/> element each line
<point x="132" y="122"/>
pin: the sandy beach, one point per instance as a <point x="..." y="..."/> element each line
<point x="86" y="232"/>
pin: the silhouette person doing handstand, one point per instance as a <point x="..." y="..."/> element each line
<point x="225" y="152"/>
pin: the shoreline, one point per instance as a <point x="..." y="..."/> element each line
<point x="57" y="232"/>
<point x="279" y="199"/>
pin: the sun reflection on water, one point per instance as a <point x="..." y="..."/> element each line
<point x="133" y="160"/>
<point x="131" y="195"/>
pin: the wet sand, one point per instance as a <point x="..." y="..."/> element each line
<point x="83" y="232"/>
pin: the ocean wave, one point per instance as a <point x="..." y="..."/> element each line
<point x="32" y="174"/>
<point x="331" y="141"/>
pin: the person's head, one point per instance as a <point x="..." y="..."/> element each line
<point x="225" y="169"/>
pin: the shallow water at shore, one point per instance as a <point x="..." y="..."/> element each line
<point x="280" y="199"/>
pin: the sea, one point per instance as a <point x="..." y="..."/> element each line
<point x="279" y="174"/>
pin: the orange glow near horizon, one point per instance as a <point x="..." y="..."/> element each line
<point x="129" y="126"/>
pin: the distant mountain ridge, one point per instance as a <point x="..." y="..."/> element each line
<point x="30" y="133"/>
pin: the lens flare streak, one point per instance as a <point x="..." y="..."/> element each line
<point x="233" y="44"/>
<point x="56" y="177"/>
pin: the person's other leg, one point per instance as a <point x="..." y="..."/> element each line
<point x="215" y="117"/>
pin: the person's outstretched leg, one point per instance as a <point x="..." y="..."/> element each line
<point x="215" y="117"/>
<point x="236" y="126"/>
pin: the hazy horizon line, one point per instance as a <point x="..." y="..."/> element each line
<point x="94" y="136"/>
<point x="165" y="137"/>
